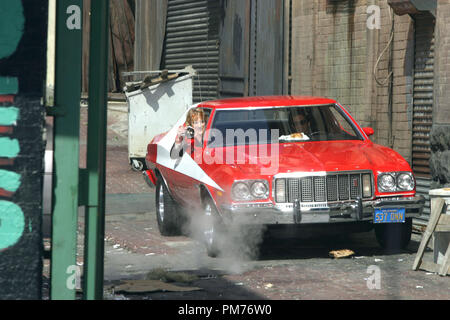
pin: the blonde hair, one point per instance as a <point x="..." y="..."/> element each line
<point x="194" y="114"/>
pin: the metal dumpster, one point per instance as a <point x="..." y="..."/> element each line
<point x="154" y="109"/>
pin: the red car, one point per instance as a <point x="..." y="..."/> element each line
<point x="278" y="160"/>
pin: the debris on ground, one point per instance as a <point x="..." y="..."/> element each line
<point x="167" y="276"/>
<point x="111" y="296"/>
<point x="146" y="286"/>
<point x="337" y="254"/>
<point x="268" y="285"/>
<point x="418" y="229"/>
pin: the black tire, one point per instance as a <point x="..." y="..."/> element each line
<point x="169" y="219"/>
<point x="212" y="228"/>
<point x="394" y="236"/>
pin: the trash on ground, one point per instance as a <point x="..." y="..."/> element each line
<point x="167" y="276"/>
<point x="341" y="253"/>
<point x="142" y="286"/>
<point x="378" y="260"/>
<point x="112" y="296"/>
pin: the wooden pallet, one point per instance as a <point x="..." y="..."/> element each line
<point x="438" y="222"/>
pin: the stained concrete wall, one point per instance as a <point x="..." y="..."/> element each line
<point x="23" y="29"/>
<point x="334" y="54"/>
<point x="440" y="133"/>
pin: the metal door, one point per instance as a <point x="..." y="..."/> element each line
<point x="266" y="47"/>
<point x="234" y="49"/>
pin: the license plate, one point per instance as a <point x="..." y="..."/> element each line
<point x="389" y="215"/>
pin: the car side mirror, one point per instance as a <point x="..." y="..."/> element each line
<point x="368" y="131"/>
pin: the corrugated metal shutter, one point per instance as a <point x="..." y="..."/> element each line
<point x="192" y="38"/>
<point x="423" y="103"/>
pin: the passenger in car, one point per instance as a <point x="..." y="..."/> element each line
<point x="190" y="135"/>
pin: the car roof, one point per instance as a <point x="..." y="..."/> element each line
<point x="266" y="101"/>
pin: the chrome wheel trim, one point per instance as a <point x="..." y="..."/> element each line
<point x="208" y="232"/>
<point x="161" y="203"/>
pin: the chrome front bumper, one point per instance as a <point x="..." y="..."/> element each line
<point x="289" y="213"/>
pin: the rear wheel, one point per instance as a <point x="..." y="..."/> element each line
<point x="167" y="215"/>
<point x="394" y="236"/>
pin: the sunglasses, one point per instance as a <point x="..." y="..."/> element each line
<point x="302" y="122"/>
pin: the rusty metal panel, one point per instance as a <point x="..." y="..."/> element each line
<point x="402" y="7"/>
<point x="234" y="49"/>
<point x="192" y="38"/>
<point x="266" y="47"/>
<point x="423" y="102"/>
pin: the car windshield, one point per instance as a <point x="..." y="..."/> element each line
<point x="281" y="124"/>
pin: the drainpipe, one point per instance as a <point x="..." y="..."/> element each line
<point x="389" y="80"/>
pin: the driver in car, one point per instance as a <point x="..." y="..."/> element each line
<point x="299" y="124"/>
<point x="190" y="135"/>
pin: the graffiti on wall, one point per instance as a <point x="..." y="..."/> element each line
<point x="12" y="221"/>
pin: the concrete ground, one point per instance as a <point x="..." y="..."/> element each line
<point x="289" y="267"/>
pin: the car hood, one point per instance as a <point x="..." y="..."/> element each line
<point x="316" y="157"/>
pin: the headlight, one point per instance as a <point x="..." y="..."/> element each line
<point x="250" y="190"/>
<point x="259" y="190"/>
<point x="405" y="182"/>
<point x="395" y="181"/>
<point x="386" y="183"/>
<point x="241" y="191"/>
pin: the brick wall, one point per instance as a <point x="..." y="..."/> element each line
<point x="334" y="54"/>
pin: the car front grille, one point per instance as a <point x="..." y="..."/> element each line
<point x="326" y="188"/>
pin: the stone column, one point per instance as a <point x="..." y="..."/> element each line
<point x="440" y="133"/>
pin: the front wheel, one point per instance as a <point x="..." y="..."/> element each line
<point x="394" y="236"/>
<point x="212" y="229"/>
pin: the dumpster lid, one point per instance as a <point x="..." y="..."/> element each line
<point x="150" y="78"/>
